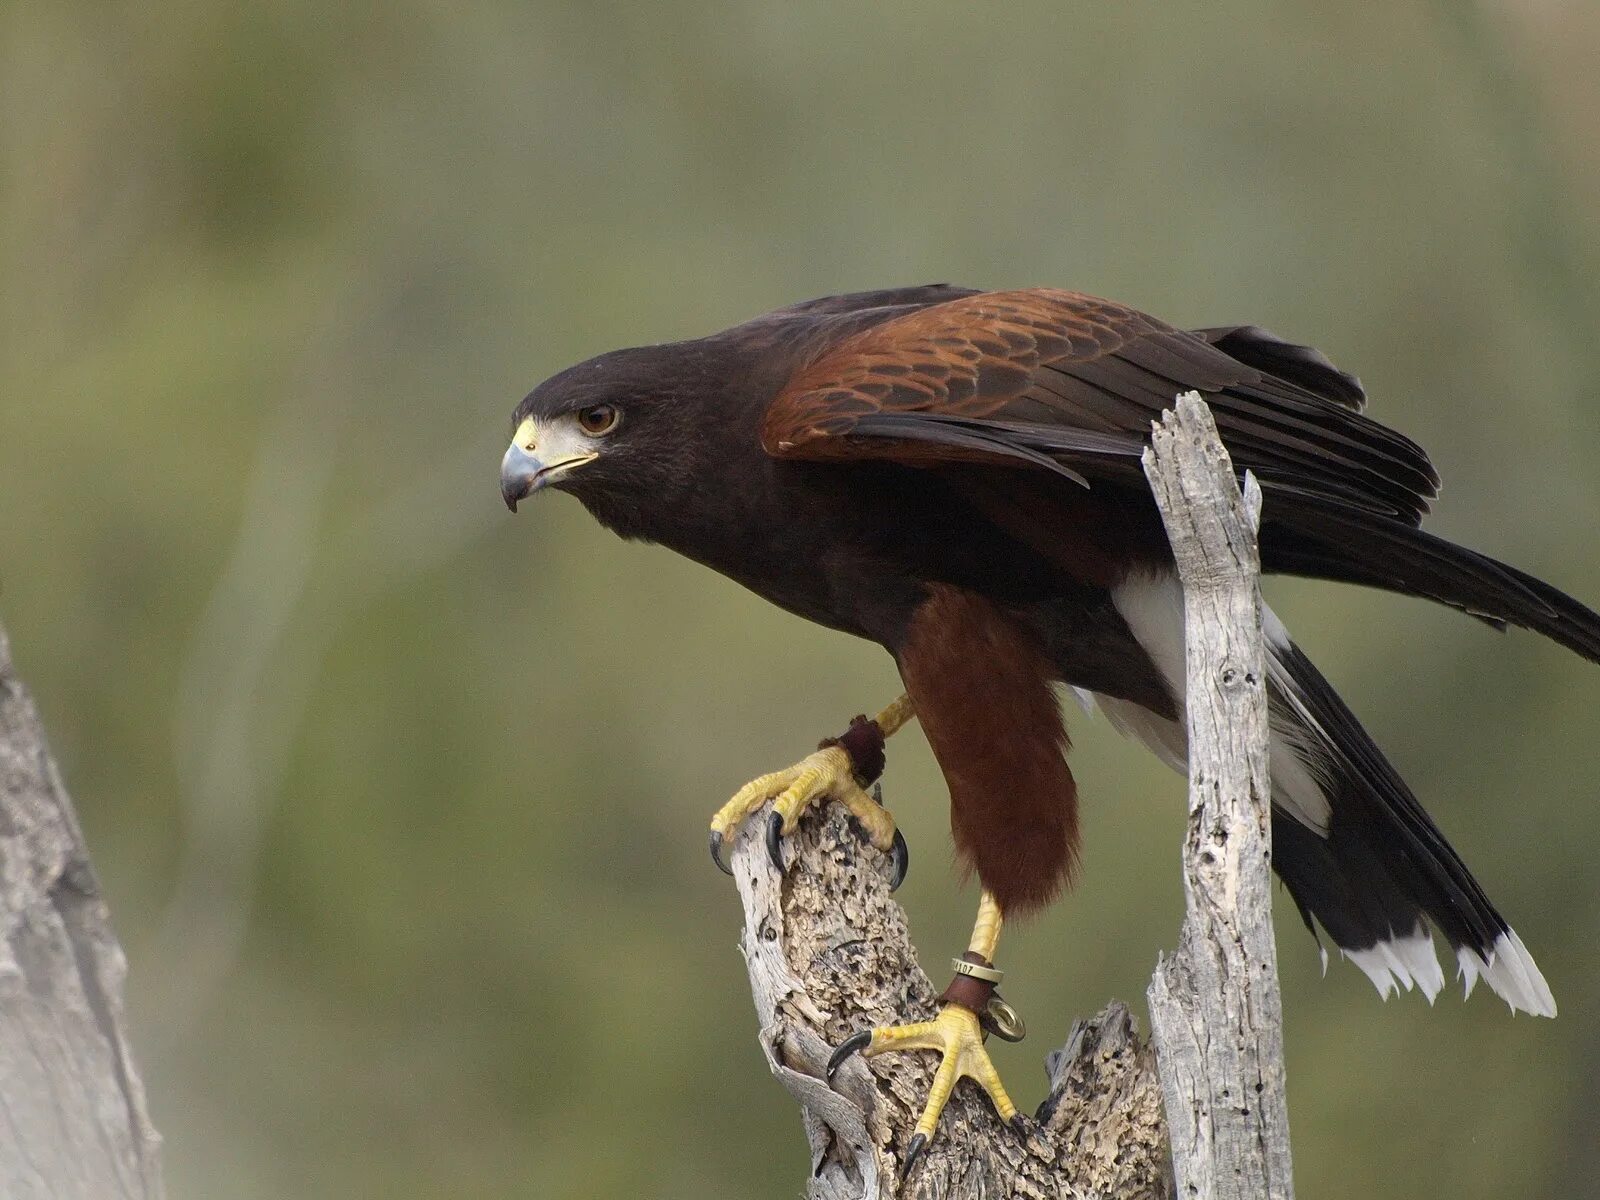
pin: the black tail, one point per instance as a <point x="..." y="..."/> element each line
<point x="1375" y="871"/>
<point x="1326" y="541"/>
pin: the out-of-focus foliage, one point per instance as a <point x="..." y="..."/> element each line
<point x="400" y="801"/>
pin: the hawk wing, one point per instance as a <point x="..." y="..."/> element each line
<point x="1071" y="383"/>
<point x="1066" y="383"/>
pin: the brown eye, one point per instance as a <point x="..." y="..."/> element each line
<point x="599" y="419"/>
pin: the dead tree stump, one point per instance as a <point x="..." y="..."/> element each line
<point x="829" y="953"/>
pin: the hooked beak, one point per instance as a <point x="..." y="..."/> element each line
<point x="521" y="474"/>
<point x="529" y="465"/>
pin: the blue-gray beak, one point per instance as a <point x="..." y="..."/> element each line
<point x="521" y="474"/>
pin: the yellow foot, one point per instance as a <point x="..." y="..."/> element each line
<point x="958" y="1036"/>
<point x="817" y="776"/>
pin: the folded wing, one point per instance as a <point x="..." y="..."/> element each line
<point x="1064" y="385"/>
<point x="1061" y="379"/>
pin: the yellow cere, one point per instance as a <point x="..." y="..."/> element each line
<point x="527" y="435"/>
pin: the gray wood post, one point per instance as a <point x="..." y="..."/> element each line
<point x="73" y="1124"/>
<point x="1216" y="1015"/>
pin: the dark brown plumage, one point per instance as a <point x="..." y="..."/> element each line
<point x="955" y="475"/>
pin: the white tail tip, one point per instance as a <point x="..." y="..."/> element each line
<point x="1511" y="973"/>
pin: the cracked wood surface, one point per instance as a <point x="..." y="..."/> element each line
<point x="829" y="953"/>
<point x="1216" y="1014"/>
<point x="73" y="1122"/>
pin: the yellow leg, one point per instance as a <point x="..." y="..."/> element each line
<point x="828" y="772"/>
<point x="986" y="929"/>
<point x="957" y="1033"/>
<point x="892" y="718"/>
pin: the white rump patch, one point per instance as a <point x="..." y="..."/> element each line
<point x="1512" y="974"/>
<point x="1401" y="962"/>
<point x="1152" y="606"/>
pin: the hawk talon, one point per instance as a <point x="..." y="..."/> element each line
<point x="851" y="1044"/>
<point x="899" y="851"/>
<point x="914" y="1149"/>
<point x="826" y="774"/>
<point x="716" y="853"/>
<point x="775" y="840"/>
<point x="957" y="1034"/>
<point x="900" y="858"/>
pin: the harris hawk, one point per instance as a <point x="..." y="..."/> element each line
<point x="956" y="475"/>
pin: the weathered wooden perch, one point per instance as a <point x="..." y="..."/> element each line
<point x="71" y="1102"/>
<point x="829" y="954"/>
<point x="1215" y="1012"/>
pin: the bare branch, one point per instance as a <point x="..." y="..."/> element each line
<point x="1216" y="1015"/>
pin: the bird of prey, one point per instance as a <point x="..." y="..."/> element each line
<point x="955" y="475"/>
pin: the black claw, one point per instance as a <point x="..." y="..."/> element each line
<point x="775" y="840"/>
<point x="900" y="856"/>
<point x="1019" y="1125"/>
<point x="856" y="1041"/>
<point x="716" y="853"/>
<point x="1046" y="1111"/>
<point x="913" y="1152"/>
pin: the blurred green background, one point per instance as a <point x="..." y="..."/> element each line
<point x="400" y="802"/>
